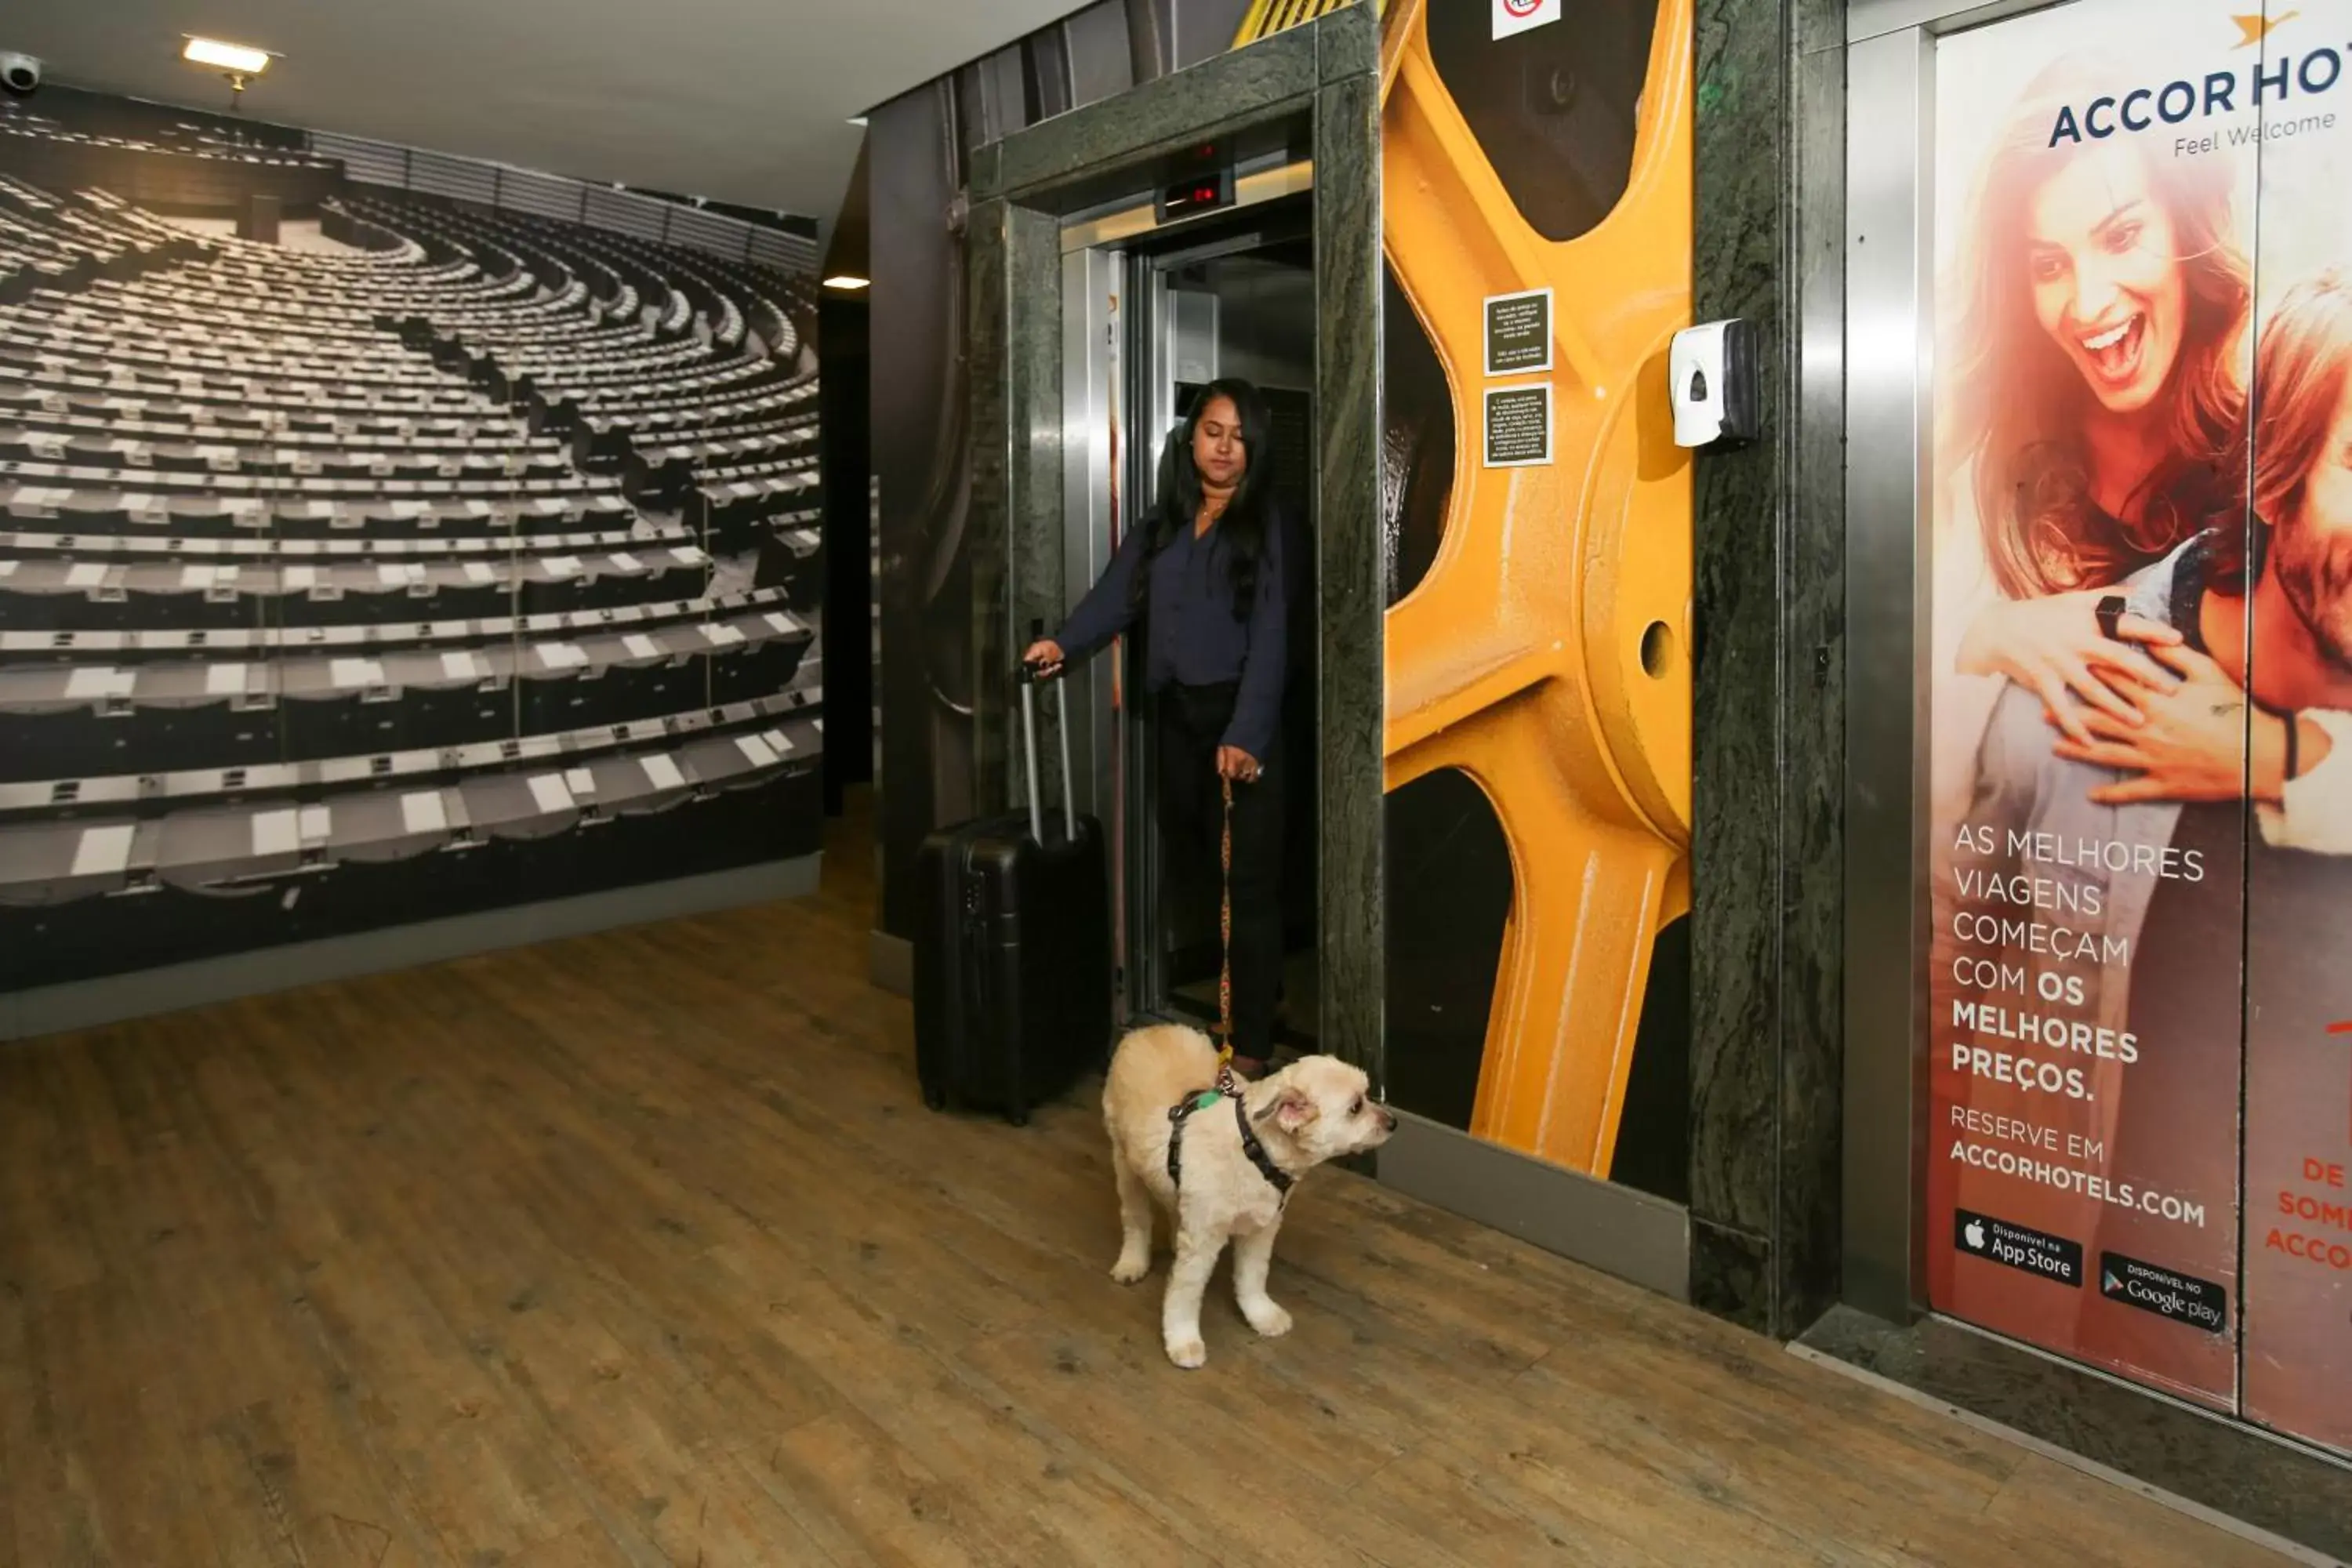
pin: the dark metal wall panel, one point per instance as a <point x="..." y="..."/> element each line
<point x="987" y="265"/>
<point x="1768" y="719"/>
<point x="1351" y="586"/>
<point x="921" y="457"/>
<point x="1045" y="59"/>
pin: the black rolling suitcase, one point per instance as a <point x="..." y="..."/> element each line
<point x="1013" y="950"/>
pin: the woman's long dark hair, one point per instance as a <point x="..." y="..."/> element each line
<point x="1247" y="518"/>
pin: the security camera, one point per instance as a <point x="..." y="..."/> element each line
<point x="20" y="74"/>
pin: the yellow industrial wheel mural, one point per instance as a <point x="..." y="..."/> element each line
<point x="1540" y="644"/>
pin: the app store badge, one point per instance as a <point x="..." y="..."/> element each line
<point x="2030" y="1251"/>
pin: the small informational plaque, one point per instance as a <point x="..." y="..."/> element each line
<point x="1518" y="333"/>
<point x="1518" y="426"/>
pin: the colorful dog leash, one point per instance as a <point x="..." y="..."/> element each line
<point x="1225" y="1084"/>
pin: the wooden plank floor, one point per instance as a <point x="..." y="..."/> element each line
<point x="641" y="1249"/>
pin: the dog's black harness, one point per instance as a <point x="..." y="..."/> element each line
<point x="1182" y="1112"/>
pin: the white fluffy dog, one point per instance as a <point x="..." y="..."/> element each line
<point x="1232" y="1168"/>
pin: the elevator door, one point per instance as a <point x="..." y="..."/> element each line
<point x="1236" y="305"/>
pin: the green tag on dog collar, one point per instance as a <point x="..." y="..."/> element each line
<point x="1205" y="1098"/>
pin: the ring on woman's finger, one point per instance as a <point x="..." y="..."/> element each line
<point x="2110" y="610"/>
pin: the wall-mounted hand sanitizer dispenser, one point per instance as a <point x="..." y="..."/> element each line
<point x="1711" y="371"/>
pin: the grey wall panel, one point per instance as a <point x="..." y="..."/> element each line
<point x="1206" y="27"/>
<point x="1888" y="195"/>
<point x="1150" y="38"/>
<point x="1612" y="1229"/>
<point x="1100" y="62"/>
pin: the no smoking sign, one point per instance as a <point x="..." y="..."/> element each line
<point x="1519" y="16"/>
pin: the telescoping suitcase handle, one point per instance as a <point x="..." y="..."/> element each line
<point x="1028" y="682"/>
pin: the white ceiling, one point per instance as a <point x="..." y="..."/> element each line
<point x="742" y="101"/>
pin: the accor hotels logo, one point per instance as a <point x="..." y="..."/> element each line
<point x="2271" y="81"/>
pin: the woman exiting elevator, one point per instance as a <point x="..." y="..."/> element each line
<point x="1204" y="575"/>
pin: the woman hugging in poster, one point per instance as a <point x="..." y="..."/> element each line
<point x="2091" y="405"/>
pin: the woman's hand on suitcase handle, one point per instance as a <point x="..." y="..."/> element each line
<point x="1236" y="764"/>
<point x="1043" y="658"/>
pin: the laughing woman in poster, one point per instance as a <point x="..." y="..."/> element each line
<point x="2091" y="397"/>
<point x="1203" y="572"/>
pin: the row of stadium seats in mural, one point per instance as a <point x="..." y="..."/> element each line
<point x="436" y="558"/>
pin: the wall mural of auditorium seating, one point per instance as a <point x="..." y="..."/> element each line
<point x="436" y="559"/>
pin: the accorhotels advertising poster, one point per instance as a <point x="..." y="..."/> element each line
<point x="2141" y="519"/>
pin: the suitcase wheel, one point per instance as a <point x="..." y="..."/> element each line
<point x="935" y="1098"/>
<point x="1017" y="1116"/>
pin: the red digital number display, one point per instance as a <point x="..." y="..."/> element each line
<point x="1192" y="195"/>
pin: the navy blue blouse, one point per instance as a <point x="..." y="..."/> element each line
<point x="1193" y="638"/>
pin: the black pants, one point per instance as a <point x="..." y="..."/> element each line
<point x="1191" y="719"/>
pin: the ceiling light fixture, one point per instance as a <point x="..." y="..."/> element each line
<point x="846" y="280"/>
<point x="240" y="63"/>
<point x="234" y="58"/>
<point x="858" y="121"/>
